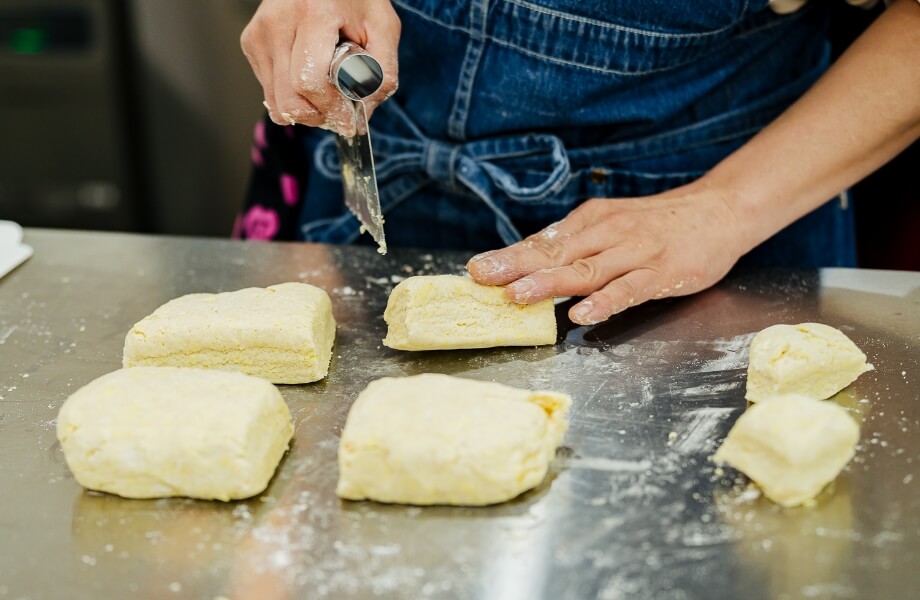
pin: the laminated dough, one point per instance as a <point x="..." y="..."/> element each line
<point x="153" y="432"/>
<point x="437" y="439"/>
<point x="811" y="359"/>
<point x="444" y="312"/>
<point x="791" y="446"/>
<point x="283" y="333"/>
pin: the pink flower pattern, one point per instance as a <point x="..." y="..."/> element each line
<point x="256" y="155"/>
<point x="290" y="189"/>
<point x="274" y="193"/>
<point x="258" y="135"/>
<point x="260" y="223"/>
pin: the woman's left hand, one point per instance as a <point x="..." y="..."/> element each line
<point x="621" y="252"/>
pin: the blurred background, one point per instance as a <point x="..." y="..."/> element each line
<point x="137" y="115"/>
<point x="130" y="115"/>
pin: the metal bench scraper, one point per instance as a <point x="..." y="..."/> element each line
<point x="357" y="75"/>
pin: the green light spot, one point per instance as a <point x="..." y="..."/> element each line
<point x="29" y="40"/>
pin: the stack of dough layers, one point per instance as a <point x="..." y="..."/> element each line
<point x="443" y="312"/>
<point x="283" y="333"/>
<point x="436" y="439"/>
<point x="791" y="446"/>
<point x="810" y="359"/>
<point x="151" y="432"/>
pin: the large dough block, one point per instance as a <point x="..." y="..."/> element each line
<point x="791" y="446"/>
<point x="436" y="439"/>
<point x="283" y="333"/>
<point x="811" y="359"/>
<point x="151" y="432"/>
<point x="443" y="312"/>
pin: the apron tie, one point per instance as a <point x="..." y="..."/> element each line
<point x="478" y="166"/>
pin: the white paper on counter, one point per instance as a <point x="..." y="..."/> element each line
<point x="12" y="251"/>
<point x="887" y="283"/>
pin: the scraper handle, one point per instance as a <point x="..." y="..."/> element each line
<point x="354" y="72"/>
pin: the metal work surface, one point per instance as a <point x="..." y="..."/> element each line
<point x="633" y="507"/>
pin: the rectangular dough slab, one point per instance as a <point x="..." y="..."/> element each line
<point x="436" y="439"/>
<point x="283" y="333"/>
<point x="791" y="446"/>
<point x="153" y="432"/>
<point x="444" y="312"/>
<point x="811" y="359"/>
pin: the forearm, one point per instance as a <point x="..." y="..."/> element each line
<point x="858" y="116"/>
<point x="619" y="253"/>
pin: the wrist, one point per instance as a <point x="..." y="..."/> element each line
<point x="737" y="212"/>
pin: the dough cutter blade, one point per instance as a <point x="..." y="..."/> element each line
<point x="357" y="75"/>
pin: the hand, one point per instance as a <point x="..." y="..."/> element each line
<point x="290" y="43"/>
<point x="620" y="253"/>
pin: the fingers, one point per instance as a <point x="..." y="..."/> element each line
<point x="260" y="61"/>
<point x="289" y="104"/>
<point x="290" y="45"/>
<point x="309" y="76"/>
<point x="620" y="253"/>
<point x="635" y="287"/>
<point x="580" y="278"/>
<point x="266" y="43"/>
<point x="383" y="44"/>
<point x="290" y="107"/>
<point x="581" y="234"/>
<point x="554" y="246"/>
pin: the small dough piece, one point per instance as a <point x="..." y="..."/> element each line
<point x="436" y="439"/>
<point x="811" y="359"/>
<point x="283" y="333"/>
<point x="446" y="312"/>
<point x="154" y="432"/>
<point x="791" y="446"/>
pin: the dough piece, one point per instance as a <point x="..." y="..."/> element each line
<point x="283" y="333"/>
<point x="153" y="432"/>
<point x="791" y="446"/>
<point x="436" y="439"/>
<point x="445" y="312"/>
<point x="811" y="359"/>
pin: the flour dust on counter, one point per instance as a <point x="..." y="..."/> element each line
<point x="626" y="510"/>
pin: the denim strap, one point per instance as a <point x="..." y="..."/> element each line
<point x="476" y="166"/>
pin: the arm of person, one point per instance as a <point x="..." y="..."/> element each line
<point x="858" y="116"/>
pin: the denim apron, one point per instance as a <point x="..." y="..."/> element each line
<point x="512" y="112"/>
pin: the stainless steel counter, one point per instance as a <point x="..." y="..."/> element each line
<point x="630" y="510"/>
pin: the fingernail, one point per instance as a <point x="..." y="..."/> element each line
<point x="479" y="257"/>
<point x="267" y="107"/>
<point x="522" y="288"/>
<point x="486" y="266"/>
<point x="583" y="313"/>
<point x="287" y="117"/>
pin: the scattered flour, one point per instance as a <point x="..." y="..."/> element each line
<point x="698" y="434"/>
<point x="734" y="353"/>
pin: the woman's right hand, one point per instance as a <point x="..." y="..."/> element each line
<point x="290" y="43"/>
